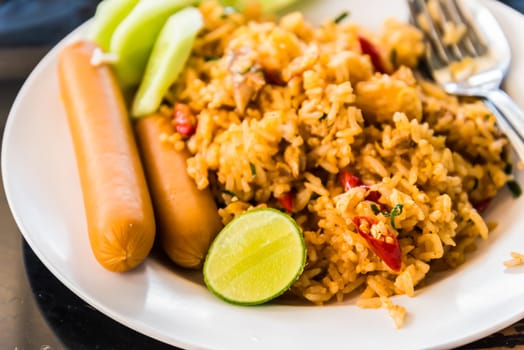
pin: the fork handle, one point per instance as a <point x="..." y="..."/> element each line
<point x="515" y="140"/>
<point x="509" y="109"/>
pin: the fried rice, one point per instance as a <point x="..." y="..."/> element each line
<point x="285" y="108"/>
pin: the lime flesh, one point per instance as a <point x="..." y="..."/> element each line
<point x="255" y="258"/>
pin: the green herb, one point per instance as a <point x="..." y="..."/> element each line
<point x="314" y="196"/>
<point x="508" y="169"/>
<point x="253" y="169"/>
<point x="393" y="57"/>
<point x="396" y="211"/>
<point x="375" y="209"/>
<point x="475" y="184"/>
<point x="341" y="17"/>
<point x="324" y="116"/>
<point x="514" y="187"/>
<point x="256" y="69"/>
<point x="245" y="70"/>
<point x="211" y="58"/>
<point x="228" y="192"/>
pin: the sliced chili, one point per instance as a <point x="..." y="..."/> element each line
<point x="368" y="48"/>
<point x="184" y="120"/>
<point x="384" y="244"/>
<point x="287" y="202"/>
<point x="482" y="205"/>
<point x="373" y="196"/>
<point x="348" y="181"/>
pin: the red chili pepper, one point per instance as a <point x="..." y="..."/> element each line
<point x="482" y="205"/>
<point x="184" y="120"/>
<point x="386" y="245"/>
<point x="348" y="181"/>
<point x="368" y="48"/>
<point x="373" y="196"/>
<point x="287" y="202"/>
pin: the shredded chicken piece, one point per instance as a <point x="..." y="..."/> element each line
<point x="247" y="74"/>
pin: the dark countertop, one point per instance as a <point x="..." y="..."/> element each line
<point x="38" y="312"/>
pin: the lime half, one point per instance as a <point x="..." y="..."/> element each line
<point x="255" y="258"/>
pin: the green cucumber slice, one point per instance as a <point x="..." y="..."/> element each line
<point x="168" y="57"/>
<point x="108" y="15"/>
<point x="133" y="39"/>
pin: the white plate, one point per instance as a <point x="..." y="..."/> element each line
<point x="43" y="191"/>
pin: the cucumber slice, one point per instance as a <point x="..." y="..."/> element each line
<point x="169" y="55"/>
<point x="108" y="15"/>
<point x="134" y="38"/>
<point x="268" y="6"/>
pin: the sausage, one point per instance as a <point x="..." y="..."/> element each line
<point x="187" y="217"/>
<point x="118" y="208"/>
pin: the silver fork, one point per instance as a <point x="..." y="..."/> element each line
<point x="481" y="48"/>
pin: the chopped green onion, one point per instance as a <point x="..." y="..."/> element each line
<point x="228" y="192"/>
<point x="475" y="184"/>
<point x="253" y="169"/>
<point x="396" y="211"/>
<point x="341" y="17"/>
<point x="375" y="209"/>
<point x="508" y="169"/>
<point x="393" y="57"/>
<point x="211" y="58"/>
<point x="256" y="69"/>
<point x="514" y="187"/>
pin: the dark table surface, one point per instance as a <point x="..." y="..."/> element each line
<point x="36" y="310"/>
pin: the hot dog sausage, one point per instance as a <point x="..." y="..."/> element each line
<point x="117" y="204"/>
<point x="187" y="217"/>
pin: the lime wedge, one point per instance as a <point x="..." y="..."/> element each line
<point x="133" y="39"/>
<point x="255" y="258"/>
<point x="108" y="15"/>
<point x="169" y="55"/>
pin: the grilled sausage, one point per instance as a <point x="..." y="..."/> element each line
<point x="118" y="207"/>
<point x="187" y="217"/>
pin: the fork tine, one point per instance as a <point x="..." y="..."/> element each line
<point x="477" y="42"/>
<point x="434" y="17"/>
<point x="455" y="13"/>
<point x="423" y="20"/>
<point x="444" y="19"/>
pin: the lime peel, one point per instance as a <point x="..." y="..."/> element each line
<point x="255" y="258"/>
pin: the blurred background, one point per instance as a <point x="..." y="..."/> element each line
<point x="29" y="28"/>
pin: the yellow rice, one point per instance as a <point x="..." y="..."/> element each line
<point x="283" y="106"/>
